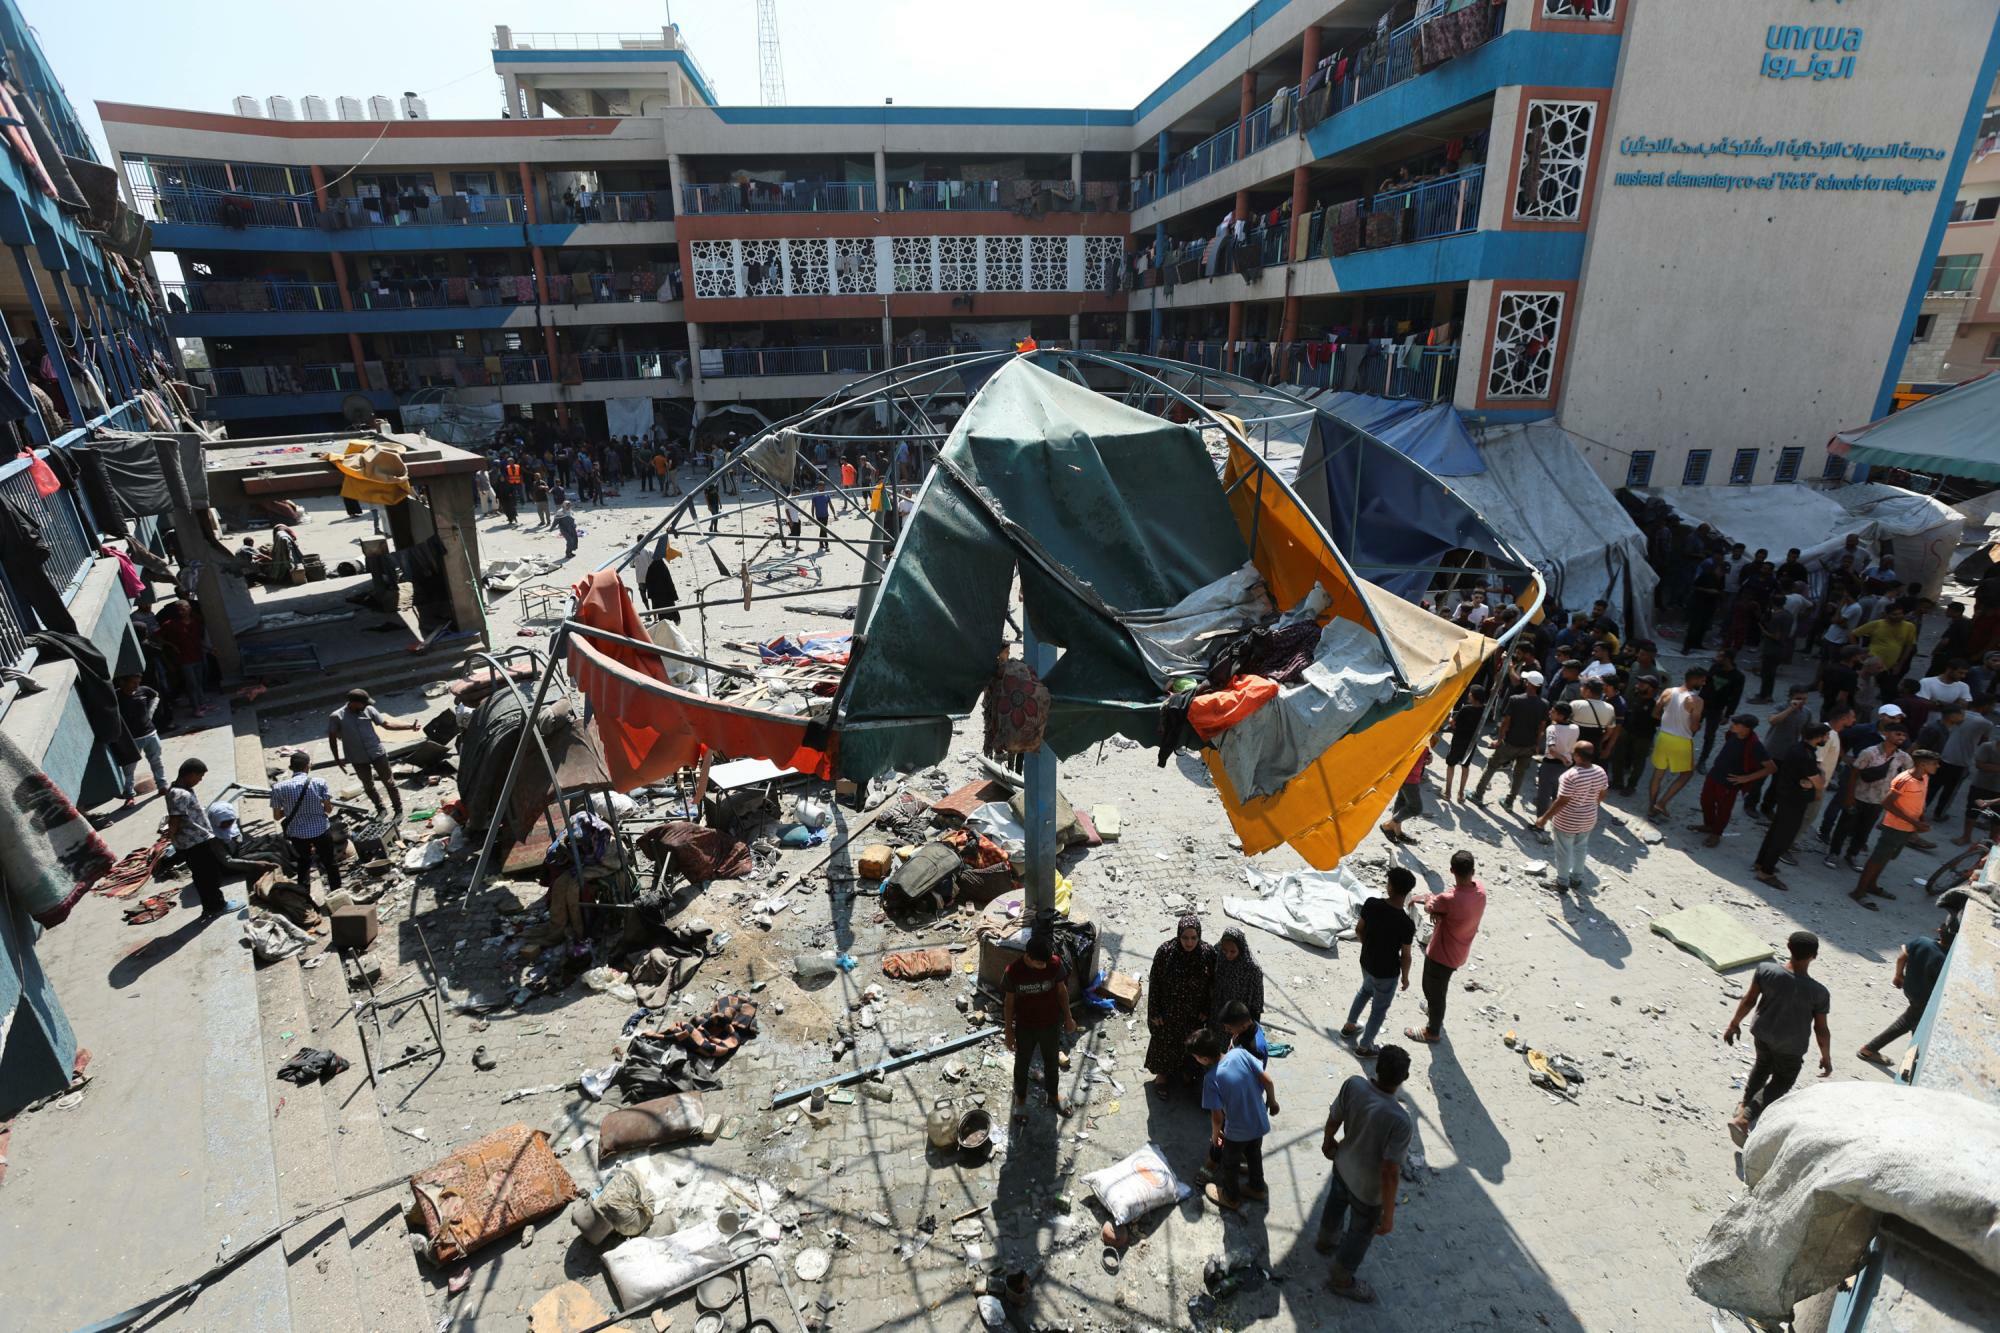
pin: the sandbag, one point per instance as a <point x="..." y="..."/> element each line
<point x="648" y="1266"/>
<point x="662" y="1120"/>
<point x="1136" y="1186"/>
<point x="1824" y="1164"/>
<point x="917" y="964"/>
<point x="931" y="867"/>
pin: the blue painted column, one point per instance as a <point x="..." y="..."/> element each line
<point x="17" y="378"/>
<point x="1040" y="804"/>
<point x="115" y="329"/>
<point x="48" y="331"/>
<point x="1159" y="246"/>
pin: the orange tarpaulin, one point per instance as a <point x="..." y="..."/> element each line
<point x="649" y="729"/>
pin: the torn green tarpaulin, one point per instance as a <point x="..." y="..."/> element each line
<point x="1105" y="509"/>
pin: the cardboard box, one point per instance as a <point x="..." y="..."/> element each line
<point x="354" y="928"/>
<point x="1123" y="990"/>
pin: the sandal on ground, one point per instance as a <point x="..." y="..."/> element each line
<point x="1864" y="902"/>
<point x="1420" y="1034"/>
<point x="1350" y="1029"/>
<point x="1368" y="1052"/>
<point x="1872" y="1057"/>
<point x="1215" y="1196"/>
<point x="1060" y="1107"/>
<point x="1881" y="893"/>
<point x="1356" y="1290"/>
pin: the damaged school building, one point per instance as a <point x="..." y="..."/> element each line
<point x="659" y="977"/>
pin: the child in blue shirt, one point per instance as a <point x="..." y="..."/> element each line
<point x="1240" y="1099"/>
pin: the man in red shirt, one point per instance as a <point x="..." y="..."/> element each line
<point x="185" y="648"/>
<point x="1456" y="914"/>
<point x="1034" y="1015"/>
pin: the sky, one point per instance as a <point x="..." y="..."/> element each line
<point x="200" y="53"/>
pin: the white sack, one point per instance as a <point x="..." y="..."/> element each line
<point x="1314" y="907"/>
<point x="1136" y="1186"/>
<point x="648" y="1266"/>
<point x="1824" y="1163"/>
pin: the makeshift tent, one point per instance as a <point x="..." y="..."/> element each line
<point x="1432" y="434"/>
<point x="649" y="728"/>
<point x="1115" y="520"/>
<point x="1955" y="433"/>
<point x="1922" y="532"/>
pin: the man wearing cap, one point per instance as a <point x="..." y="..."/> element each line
<point x="352" y="727"/>
<point x="1902" y="819"/>
<point x="1862" y="794"/>
<point x="1741" y="762"/>
<point x="1522" y="719"/>
<point x="1791" y="1014"/>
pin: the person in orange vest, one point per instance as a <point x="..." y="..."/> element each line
<point x="510" y="492"/>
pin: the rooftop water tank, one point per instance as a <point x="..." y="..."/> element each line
<point x="281" y="107"/>
<point x="247" y="105"/>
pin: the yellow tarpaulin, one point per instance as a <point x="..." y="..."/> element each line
<point x="372" y="473"/>
<point x="1324" y="812"/>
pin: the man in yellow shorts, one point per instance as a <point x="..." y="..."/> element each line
<point x="1679" y="714"/>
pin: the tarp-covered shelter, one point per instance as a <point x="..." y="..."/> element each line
<point x="1953" y="434"/>
<point x="1922" y="532"/>
<point x="1119" y="529"/>
<point x="1526" y="482"/>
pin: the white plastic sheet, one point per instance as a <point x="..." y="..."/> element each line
<point x="1314" y="907"/>
<point x="648" y="1266"/>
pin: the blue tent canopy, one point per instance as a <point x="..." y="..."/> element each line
<point x="1432" y="435"/>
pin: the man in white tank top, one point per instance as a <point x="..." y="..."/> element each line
<point x="1679" y="712"/>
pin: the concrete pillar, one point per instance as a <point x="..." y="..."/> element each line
<point x="881" y="178"/>
<point x="1301" y="209"/>
<point x="534" y="98"/>
<point x="694" y="361"/>
<point x="1308" y="53"/>
<point x="1288" y="331"/>
<point x="454" y="510"/>
<point x="1241" y="207"/>
<point x="677" y="182"/>
<point x="1076" y="175"/>
<point x="512" y="82"/>
<point x="888" y="339"/>
<point x="1131" y="327"/>
<point x="1075" y="329"/>
<point x="340" y="275"/>
<point x="1246" y="100"/>
<point x="1235" y="332"/>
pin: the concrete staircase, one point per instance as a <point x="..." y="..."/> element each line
<point x="350" y="1270"/>
<point x="379" y="674"/>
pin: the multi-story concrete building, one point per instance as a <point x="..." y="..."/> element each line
<point x="1956" y="336"/>
<point x="1699" y="233"/>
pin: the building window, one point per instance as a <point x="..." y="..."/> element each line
<point x="1835" y="469"/>
<point x="1555" y="158"/>
<point x="1579" y="9"/>
<point x="1993" y="348"/>
<point x="1953" y="275"/>
<point x="911" y="256"/>
<point x="854" y="265"/>
<point x="1976" y="210"/>
<point x="1921" y="330"/>
<point x="1744" y="470"/>
<point x="714" y="268"/>
<point x="1639" y="472"/>
<point x="1048" y="263"/>
<point x="1788" y="464"/>
<point x="1696" y="471"/>
<point x="809" y="271"/>
<point x="1524" y="346"/>
<point x="1004" y="263"/>
<point x="958" y="263"/>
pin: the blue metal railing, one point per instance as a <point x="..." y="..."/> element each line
<point x="1019" y="195"/>
<point x="614" y="206"/>
<point x="250" y="296"/>
<point x="624" y="365"/>
<point x="1433" y="379"/>
<point x="745" y="361"/>
<point x="472" y="210"/>
<point x="267" y="381"/>
<point x="206" y="208"/>
<point x="1426" y="210"/>
<point x="779" y="197"/>
<point x="1381" y="66"/>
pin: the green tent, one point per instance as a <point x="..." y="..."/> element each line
<point x="1104" y="508"/>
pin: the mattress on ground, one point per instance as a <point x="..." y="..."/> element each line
<point x="1714" y="936"/>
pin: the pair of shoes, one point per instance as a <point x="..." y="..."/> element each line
<point x="1213" y="1193"/>
<point x="229" y="908"/>
<point x="1829" y="861"/>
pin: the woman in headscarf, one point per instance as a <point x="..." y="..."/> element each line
<point x="1237" y="977"/>
<point x="1177" y="999"/>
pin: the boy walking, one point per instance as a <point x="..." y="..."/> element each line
<point x="1367" y="1135"/>
<point x="1240" y="1100"/>
<point x="1385" y="931"/>
<point x="1918" y="968"/>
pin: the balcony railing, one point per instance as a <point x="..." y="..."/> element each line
<point x="271" y="381"/>
<point x="626" y="365"/>
<point x="1016" y="196"/>
<point x="514" y="290"/>
<point x="614" y="206"/>
<point x="70" y="546"/>
<point x="909" y="354"/>
<point x="250" y="296"/>
<point x="1398" y="58"/>
<point x="585" y="41"/>
<point x="1420" y="212"/>
<point x="737" y="362"/>
<point x="490" y="210"/>
<point x="1389" y="373"/>
<point x="204" y="208"/>
<point x="780" y="197"/>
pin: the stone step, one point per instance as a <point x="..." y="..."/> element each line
<point x="382" y="673"/>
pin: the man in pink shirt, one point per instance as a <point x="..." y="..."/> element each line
<point x="1455" y="914"/>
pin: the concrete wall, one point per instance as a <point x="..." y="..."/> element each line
<point x="1763" y="317"/>
<point x="50" y="726"/>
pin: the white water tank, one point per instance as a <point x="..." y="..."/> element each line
<point x="247" y="105"/>
<point x="349" y="108"/>
<point x="414" y="108"/>
<point x="281" y="107"/>
<point x="381" y="108"/>
<point x="313" y="107"/>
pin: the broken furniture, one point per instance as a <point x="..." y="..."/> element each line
<point x="368" y="1013"/>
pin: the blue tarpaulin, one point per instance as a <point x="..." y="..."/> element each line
<point x="1432" y="435"/>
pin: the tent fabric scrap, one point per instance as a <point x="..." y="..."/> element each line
<point x="1714" y="936"/>
<point x="1825" y="1164"/>
<point x="1175" y="642"/>
<point x="1956" y="433"/>
<point x="1313" y="907"/>
<point x="1349" y="679"/>
<point x="488" y="1189"/>
<point x="372" y="472"/>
